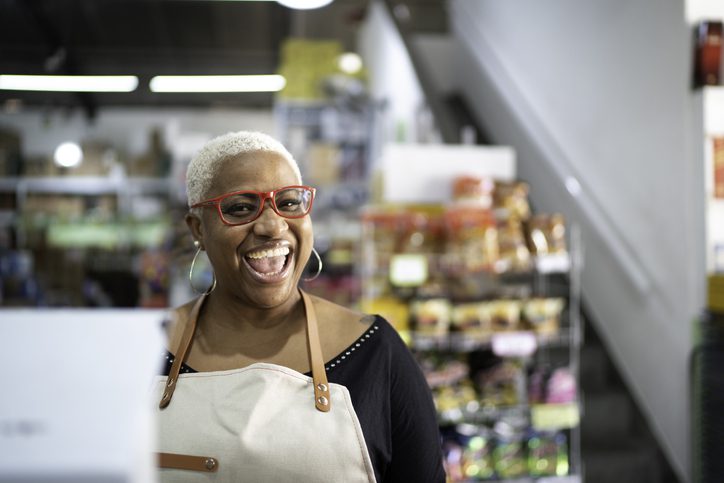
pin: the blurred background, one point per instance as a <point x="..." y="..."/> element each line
<point x="532" y="192"/>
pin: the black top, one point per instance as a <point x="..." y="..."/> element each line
<point x="393" y="404"/>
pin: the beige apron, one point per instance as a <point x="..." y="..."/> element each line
<point x="260" y="424"/>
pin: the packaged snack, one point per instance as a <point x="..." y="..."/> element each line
<point x="472" y="240"/>
<point x="502" y="384"/>
<point x="477" y="457"/>
<point x="514" y="254"/>
<point x="446" y="372"/>
<point x="547" y="234"/>
<point x="472" y="320"/>
<point x="547" y="454"/>
<point x="561" y="387"/>
<point x="511" y="200"/>
<point x="453" y="402"/>
<point x="381" y="230"/>
<point x="430" y="317"/>
<point x="504" y="315"/>
<point x="471" y="190"/>
<point x="542" y="315"/>
<point x="510" y="459"/>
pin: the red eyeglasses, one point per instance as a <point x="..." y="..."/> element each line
<point x="241" y="207"/>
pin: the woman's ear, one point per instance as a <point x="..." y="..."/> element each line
<point x="194" y="224"/>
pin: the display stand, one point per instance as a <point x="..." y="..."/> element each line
<point x="504" y="371"/>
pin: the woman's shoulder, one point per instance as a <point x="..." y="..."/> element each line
<point x="339" y="326"/>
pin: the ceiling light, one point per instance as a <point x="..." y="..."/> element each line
<point x="69" y="83"/>
<point x="349" y="63"/>
<point x="573" y="186"/>
<point x="217" y="83"/>
<point x="68" y="155"/>
<point x="304" y="4"/>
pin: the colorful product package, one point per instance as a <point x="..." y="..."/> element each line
<point x="548" y="454"/>
<point x="514" y="255"/>
<point x="471" y="320"/>
<point x="430" y="317"/>
<point x="543" y="315"/>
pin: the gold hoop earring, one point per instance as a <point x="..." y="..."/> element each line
<point x="191" y="272"/>
<point x="319" y="266"/>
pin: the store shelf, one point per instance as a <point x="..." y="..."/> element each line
<point x="84" y="185"/>
<point x="466" y="343"/>
<point x="542" y="479"/>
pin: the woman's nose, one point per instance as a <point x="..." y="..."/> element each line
<point x="269" y="222"/>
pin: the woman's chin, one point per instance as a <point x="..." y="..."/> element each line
<point x="268" y="290"/>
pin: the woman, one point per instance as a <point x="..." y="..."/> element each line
<point x="266" y="383"/>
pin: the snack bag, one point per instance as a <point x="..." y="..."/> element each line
<point x="477" y="457"/>
<point x="430" y="317"/>
<point x="547" y="234"/>
<point x="543" y="315"/>
<point x="504" y="315"/>
<point x="511" y="200"/>
<point x="514" y="254"/>
<point x="472" y="320"/>
<point x="548" y="455"/>
<point x="472" y="239"/>
<point x="473" y="191"/>
<point x="510" y="460"/>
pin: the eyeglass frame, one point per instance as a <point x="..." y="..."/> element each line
<point x="264" y="195"/>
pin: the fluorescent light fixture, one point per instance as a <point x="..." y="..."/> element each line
<point x="349" y="63"/>
<point x="68" y="155"/>
<point x="69" y="83"/>
<point x="304" y="4"/>
<point x="217" y="83"/>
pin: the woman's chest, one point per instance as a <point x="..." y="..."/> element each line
<point x="260" y="424"/>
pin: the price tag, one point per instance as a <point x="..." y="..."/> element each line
<point x="408" y="270"/>
<point x="558" y="263"/>
<point x="555" y="416"/>
<point x="560" y="479"/>
<point x="514" y="344"/>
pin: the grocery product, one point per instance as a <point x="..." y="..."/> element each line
<point x="511" y="200"/>
<point x="547" y="234"/>
<point x="430" y="317"/>
<point x="474" y="191"/>
<point x="542" y="315"/>
<point x="514" y="254"/>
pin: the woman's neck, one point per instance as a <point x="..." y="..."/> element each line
<point x="228" y="319"/>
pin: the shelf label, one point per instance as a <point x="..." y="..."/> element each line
<point x="514" y="344"/>
<point x="408" y="270"/>
<point x="554" y="263"/>
<point x="560" y="479"/>
<point x="555" y="416"/>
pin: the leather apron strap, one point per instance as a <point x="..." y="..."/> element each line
<point x="322" y="400"/>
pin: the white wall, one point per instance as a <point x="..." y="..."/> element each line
<point x="597" y="93"/>
<point x="391" y="75"/>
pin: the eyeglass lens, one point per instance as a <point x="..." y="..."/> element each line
<point x="243" y="207"/>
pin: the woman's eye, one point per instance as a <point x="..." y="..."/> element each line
<point x="289" y="204"/>
<point x="238" y="209"/>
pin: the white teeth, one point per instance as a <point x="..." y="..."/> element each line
<point x="274" y="252"/>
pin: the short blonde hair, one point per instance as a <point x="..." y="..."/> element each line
<point x="206" y="164"/>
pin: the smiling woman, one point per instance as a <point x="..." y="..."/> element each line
<point x="263" y="382"/>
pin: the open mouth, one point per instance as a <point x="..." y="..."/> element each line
<point x="269" y="264"/>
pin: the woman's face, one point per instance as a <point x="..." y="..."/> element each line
<point x="259" y="262"/>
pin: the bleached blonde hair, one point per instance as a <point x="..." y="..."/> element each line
<point x="206" y="164"/>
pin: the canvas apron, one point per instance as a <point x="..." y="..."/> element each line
<point x="260" y="424"/>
